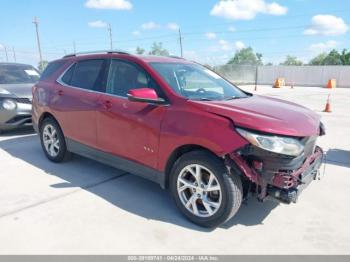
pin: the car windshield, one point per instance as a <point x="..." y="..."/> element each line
<point x="196" y="82"/>
<point x="18" y="74"/>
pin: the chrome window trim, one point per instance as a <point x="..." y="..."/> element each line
<point x="59" y="81"/>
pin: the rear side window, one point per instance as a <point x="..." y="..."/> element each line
<point x="86" y="74"/>
<point x="50" y="69"/>
<point x="67" y="77"/>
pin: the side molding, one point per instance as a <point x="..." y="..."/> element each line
<point x="115" y="161"/>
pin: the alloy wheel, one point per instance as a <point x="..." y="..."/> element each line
<point x="51" y="140"/>
<point x="199" y="190"/>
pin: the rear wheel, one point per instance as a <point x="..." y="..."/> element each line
<point x="52" y="141"/>
<point x="203" y="190"/>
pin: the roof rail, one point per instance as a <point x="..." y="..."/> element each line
<point x="98" y="52"/>
<point x="177" y="57"/>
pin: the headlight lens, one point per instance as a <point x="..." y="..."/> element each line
<point x="277" y="144"/>
<point x="8" y="104"/>
<point x="4" y="91"/>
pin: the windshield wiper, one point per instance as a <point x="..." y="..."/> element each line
<point x="233" y="97"/>
<point x="205" y="99"/>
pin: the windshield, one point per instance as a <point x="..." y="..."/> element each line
<point x="18" y="74"/>
<point x="196" y="82"/>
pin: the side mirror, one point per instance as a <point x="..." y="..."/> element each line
<point x="145" y="95"/>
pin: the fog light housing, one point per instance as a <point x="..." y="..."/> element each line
<point x="9" y="105"/>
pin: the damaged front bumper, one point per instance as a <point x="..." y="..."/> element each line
<point x="280" y="177"/>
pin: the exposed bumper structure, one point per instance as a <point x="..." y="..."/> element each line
<point x="284" y="181"/>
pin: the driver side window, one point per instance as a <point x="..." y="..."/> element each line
<point x="124" y="76"/>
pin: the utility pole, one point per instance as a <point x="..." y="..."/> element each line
<point x="74" y="47"/>
<point x="7" y="57"/>
<point x="36" y="23"/>
<point x="110" y="36"/>
<point x="14" y="54"/>
<point x="180" y="40"/>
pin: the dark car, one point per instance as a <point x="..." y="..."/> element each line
<point x="16" y="82"/>
<point x="178" y="124"/>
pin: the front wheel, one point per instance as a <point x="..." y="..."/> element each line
<point x="203" y="190"/>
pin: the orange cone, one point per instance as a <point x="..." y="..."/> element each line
<point x="328" y="106"/>
<point x="332" y="83"/>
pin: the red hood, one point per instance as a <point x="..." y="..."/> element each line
<point x="267" y="114"/>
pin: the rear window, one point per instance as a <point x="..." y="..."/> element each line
<point x="86" y="73"/>
<point x="50" y="69"/>
<point x="18" y="74"/>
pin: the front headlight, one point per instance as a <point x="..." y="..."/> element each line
<point x="9" y="104"/>
<point x="4" y="91"/>
<point x="277" y="144"/>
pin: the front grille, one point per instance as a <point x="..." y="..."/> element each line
<point x="23" y="100"/>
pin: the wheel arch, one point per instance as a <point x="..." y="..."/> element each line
<point x="177" y="153"/>
<point x="44" y="116"/>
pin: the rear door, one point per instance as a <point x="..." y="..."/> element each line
<point x="129" y="129"/>
<point x="75" y="100"/>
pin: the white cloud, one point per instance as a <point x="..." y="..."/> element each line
<point x="97" y="24"/>
<point x="276" y="9"/>
<point x="136" y="33"/>
<point x="323" y="47"/>
<point x="172" y="26"/>
<point x="2" y="47"/>
<point x="239" y="45"/>
<point x="210" y="35"/>
<point x="224" y="45"/>
<point x="232" y="28"/>
<point x="246" y="9"/>
<point x="109" y="4"/>
<point x="150" y="25"/>
<point x="326" y="25"/>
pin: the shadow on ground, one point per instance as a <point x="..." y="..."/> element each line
<point x="338" y="157"/>
<point x="17" y="132"/>
<point x="126" y="191"/>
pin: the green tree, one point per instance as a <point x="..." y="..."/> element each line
<point x="345" y="57"/>
<point x="292" y="61"/>
<point x="318" y="60"/>
<point x="333" y="58"/>
<point x="140" y="51"/>
<point x="42" y="65"/>
<point x="246" y="56"/>
<point x="157" y="49"/>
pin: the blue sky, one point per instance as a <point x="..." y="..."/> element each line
<point x="212" y="30"/>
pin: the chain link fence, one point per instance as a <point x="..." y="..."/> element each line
<point x="296" y="75"/>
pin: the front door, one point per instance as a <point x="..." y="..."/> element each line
<point x="129" y="129"/>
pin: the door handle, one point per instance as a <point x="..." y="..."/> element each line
<point x="60" y="92"/>
<point x="107" y="105"/>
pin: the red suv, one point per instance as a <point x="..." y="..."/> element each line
<point x="178" y="124"/>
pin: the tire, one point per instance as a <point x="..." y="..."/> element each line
<point x="56" y="153"/>
<point x="224" y="203"/>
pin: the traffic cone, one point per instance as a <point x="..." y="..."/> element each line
<point x="328" y="106"/>
<point x="332" y="83"/>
